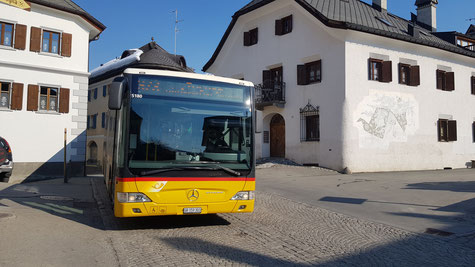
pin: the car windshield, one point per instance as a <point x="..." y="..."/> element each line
<point x="176" y="122"/>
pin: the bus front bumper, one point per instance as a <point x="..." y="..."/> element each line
<point x="157" y="209"/>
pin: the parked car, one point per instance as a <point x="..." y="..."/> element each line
<point x="6" y="160"/>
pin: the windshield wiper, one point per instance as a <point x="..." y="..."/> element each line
<point x="214" y="168"/>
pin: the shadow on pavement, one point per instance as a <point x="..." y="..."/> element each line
<point x="225" y="252"/>
<point x="454" y="186"/>
<point x="168" y="222"/>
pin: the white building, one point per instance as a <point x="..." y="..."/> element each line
<point x="44" y="53"/>
<point x="352" y="87"/>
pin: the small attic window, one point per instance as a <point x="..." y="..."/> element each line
<point x="424" y="33"/>
<point x="385" y="21"/>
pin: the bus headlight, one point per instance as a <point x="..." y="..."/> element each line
<point x="132" y="197"/>
<point x="244" y="195"/>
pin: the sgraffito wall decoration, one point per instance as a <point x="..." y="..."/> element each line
<point x="385" y="117"/>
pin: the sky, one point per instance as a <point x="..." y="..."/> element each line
<point x="131" y="24"/>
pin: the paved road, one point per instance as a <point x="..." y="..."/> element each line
<point x="279" y="232"/>
<point x="415" y="201"/>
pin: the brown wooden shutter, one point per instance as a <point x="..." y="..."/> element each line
<point x="17" y="96"/>
<point x="33" y="94"/>
<point x="66" y="44"/>
<point x="449" y="81"/>
<point x="473" y="85"/>
<point x="439" y="131"/>
<point x="64" y="100"/>
<point x="301" y="75"/>
<point x="452" y="125"/>
<point x="20" y="37"/>
<point x="266" y="78"/>
<point x="247" y="38"/>
<point x="473" y="131"/>
<point x="386" y="75"/>
<point x="278" y="27"/>
<point x="291" y="22"/>
<point x="414" y="76"/>
<point x="35" y="39"/>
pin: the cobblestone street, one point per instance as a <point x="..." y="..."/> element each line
<point x="279" y="232"/>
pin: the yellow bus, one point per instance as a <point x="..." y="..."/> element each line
<point x="179" y="143"/>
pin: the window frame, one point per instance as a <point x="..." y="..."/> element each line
<point x="2" y="33"/>
<point x="306" y="115"/>
<point x="48" y="96"/>
<point x="445" y="130"/>
<point x="50" y="43"/>
<point x="10" y="88"/>
<point x="379" y="66"/>
<point x="404" y="69"/>
<point x="318" y="65"/>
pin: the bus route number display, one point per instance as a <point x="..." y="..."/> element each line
<point x="190" y="89"/>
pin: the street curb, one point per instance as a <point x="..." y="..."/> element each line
<point x="104" y="205"/>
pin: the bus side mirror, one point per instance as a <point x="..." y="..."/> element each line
<point x="116" y="93"/>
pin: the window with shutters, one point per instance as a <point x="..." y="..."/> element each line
<point x="50" y="42"/>
<point x="48" y="98"/>
<point x="94" y="121"/>
<point x="473" y="131"/>
<point x="409" y="75"/>
<point x="104" y="90"/>
<point x="88" y="95"/>
<point x="7" y="33"/>
<point x="309" y="123"/>
<point x="309" y="73"/>
<point x="284" y="25"/>
<point x="103" y="120"/>
<point x="447" y="130"/>
<point x="251" y="37"/>
<point x="379" y="70"/>
<point x="445" y="80"/>
<point x="95" y="93"/>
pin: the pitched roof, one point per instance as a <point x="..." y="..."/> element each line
<point x="353" y="15"/>
<point x="151" y="56"/>
<point x="71" y="7"/>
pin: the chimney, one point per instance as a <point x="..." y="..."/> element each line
<point x="380" y="5"/>
<point x="426" y="13"/>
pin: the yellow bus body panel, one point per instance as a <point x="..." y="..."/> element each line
<point x="171" y="197"/>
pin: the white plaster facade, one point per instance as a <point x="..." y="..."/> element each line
<point x="37" y="137"/>
<point x="346" y="98"/>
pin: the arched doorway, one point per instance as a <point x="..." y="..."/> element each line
<point x="92" y="153"/>
<point x="277" y="136"/>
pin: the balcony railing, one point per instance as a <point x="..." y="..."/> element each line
<point x="270" y="93"/>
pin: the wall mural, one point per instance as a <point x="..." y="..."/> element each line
<point x="384" y="117"/>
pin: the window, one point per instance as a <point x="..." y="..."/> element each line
<point x="409" y="75"/>
<point x="50" y="42"/>
<point x="447" y="130"/>
<point x="251" y="37"/>
<point x="88" y="122"/>
<point x="6" y="30"/>
<point x="103" y="121"/>
<point x="88" y="95"/>
<point x="283" y="26"/>
<point x="309" y="123"/>
<point x="309" y="73"/>
<point x="104" y="90"/>
<point x="266" y="137"/>
<point x="385" y="21"/>
<point x="272" y="79"/>
<point x="95" y="93"/>
<point x="473" y="131"/>
<point x="5" y="95"/>
<point x="380" y="70"/>
<point x="445" y="80"/>
<point x="48" y="98"/>
<point x="93" y="121"/>
<point x="473" y="84"/>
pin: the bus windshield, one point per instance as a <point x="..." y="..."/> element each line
<point x="178" y="122"/>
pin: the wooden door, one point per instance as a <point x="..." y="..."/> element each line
<point x="277" y="137"/>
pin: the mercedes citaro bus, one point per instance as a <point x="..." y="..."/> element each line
<point x="179" y="143"/>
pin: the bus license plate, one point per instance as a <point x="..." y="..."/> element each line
<point x="191" y="210"/>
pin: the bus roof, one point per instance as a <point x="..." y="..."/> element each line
<point x="187" y="75"/>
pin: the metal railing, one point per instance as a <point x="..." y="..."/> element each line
<point x="270" y="92"/>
